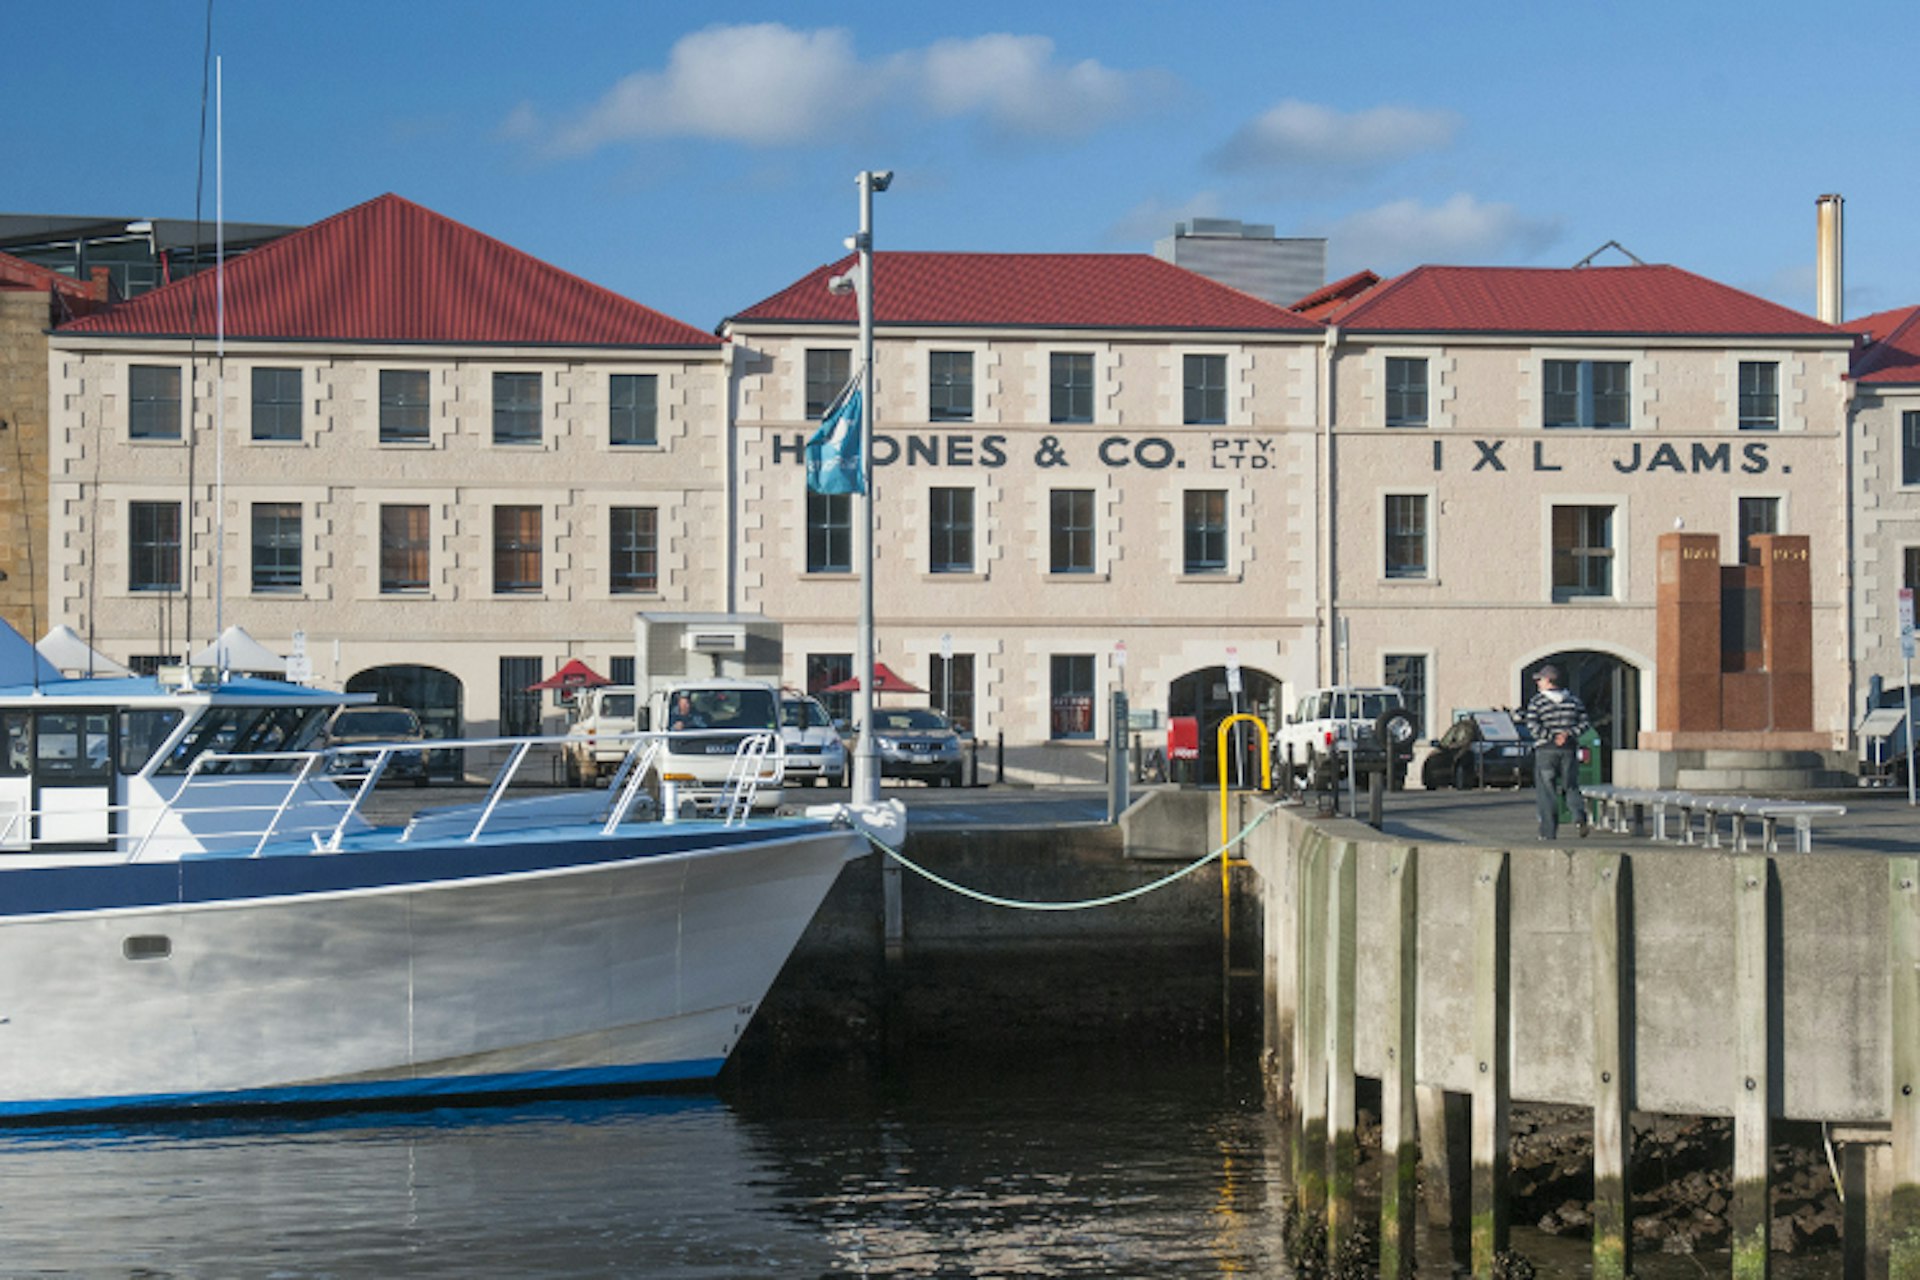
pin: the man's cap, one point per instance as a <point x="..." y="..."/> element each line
<point x="1548" y="672"/>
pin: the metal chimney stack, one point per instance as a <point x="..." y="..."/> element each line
<point x="1827" y="280"/>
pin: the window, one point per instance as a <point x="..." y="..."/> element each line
<point x="951" y="548"/>
<point x="276" y="546"/>
<point x="403" y="405"/>
<point x="952" y="688"/>
<point x="1910" y="568"/>
<point x="824" y="670"/>
<point x="1406" y="391"/>
<point x="633" y="409"/>
<point x="403" y="549"/>
<point x="950" y="386"/>
<point x="829" y="532"/>
<point x="827" y="375"/>
<point x="1205" y="522"/>
<point x="1587" y="393"/>
<point x="153" y="402"/>
<point x="1910" y="447"/>
<point x="1757" y="515"/>
<point x="1072" y="695"/>
<point x="519" y="705"/>
<point x="1408" y="673"/>
<point x="1759" y="395"/>
<point x="634" y="537"/>
<point x="1582" y="552"/>
<point x="620" y="669"/>
<point x="1406" y="536"/>
<point x="153" y="546"/>
<point x="1072" y="550"/>
<point x="1205" y="390"/>
<point x="516" y="550"/>
<point x="276" y="404"/>
<point x="516" y="408"/>
<point x="1071" y="398"/>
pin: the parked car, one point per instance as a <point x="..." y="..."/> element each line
<point x="1369" y="723"/>
<point x="814" y="749"/>
<point x="917" y="743"/>
<point x="1480" y="749"/>
<point x="371" y="725"/>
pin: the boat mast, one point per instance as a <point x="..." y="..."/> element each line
<point x="220" y="374"/>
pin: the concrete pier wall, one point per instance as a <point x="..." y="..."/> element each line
<point x="1825" y="1024"/>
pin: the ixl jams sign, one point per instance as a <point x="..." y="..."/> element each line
<point x="1114" y="453"/>
<point x="1638" y="458"/>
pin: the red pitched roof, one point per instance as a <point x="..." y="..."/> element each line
<point x="1891" y="354"/>
<point x="1657" y="301"/>
<point x="1329" y="298"/>
<point x="1028" y="291"/>
<point x="18" y="273"/>
<point x="392" y="271"/>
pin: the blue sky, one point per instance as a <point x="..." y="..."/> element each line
<point x="698" y="158"/>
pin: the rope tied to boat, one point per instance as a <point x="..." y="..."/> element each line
<point x="1084" y="904"/>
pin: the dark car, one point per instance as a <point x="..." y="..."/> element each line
<point x="1480" y="749"/>
<point x="917" y="743"/>
<point x="371" y="726"/>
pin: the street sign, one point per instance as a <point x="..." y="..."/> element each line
<point x="299" y="668"/>
<point x="1120" y="654"/>
<point x="1906" y="611"/>
<point x="1233" y="669"/>
<point x="946" y="646"/>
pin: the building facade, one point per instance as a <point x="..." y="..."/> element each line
<point x="1091" y="472"/>
<point x="1885" y="498"/>
<point x="1505" y="447"/>
<point x="433" y="464"/>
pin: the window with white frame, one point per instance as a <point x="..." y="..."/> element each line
<point x="1204" y="530"/>
<point x="153" y="546"/>
<point x="516" y="550"/>
<point x="633" y="409"/>
<point x="1204" y="390"/>
<point x="1582" y="551"/>
<point x="403" y="549"/>
<point x="951" y="688"/>
<point x="950" y="530"/>
<point x="1756" y="515"/>
<point x="950" y="386"/>
<point x="828" y="371"/>
<point x="829" y="532"/>
<point x="1070" y="387"/>
<point x="1405" y="536"/>
<point x="1587" y="393"/>
<point x="403" y="406"/>
<point x="516" y="408"/>
<point x="276" y="404"/>
<point x="153" y="402"/>
<point x="1071" y="531"/>
<point x="276" y="546"/>
<point x="1408" y="673"/>
<point x="1072" y="695"/>
<point x="1406" y="391"/>
<point x="633" y="535"/>
<point x="1910" y="447"/>
<point x="1759" y="395"/>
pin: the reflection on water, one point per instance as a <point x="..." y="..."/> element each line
<point x="1099" y="1169"/>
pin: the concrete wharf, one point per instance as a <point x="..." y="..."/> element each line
<point x="1465" y="964"/>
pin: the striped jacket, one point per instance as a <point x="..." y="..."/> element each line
<point x="1546" y="716"/>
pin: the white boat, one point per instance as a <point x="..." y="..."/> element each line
<point x="193" y="913"/>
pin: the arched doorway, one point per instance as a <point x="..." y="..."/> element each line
<point x="1207" y="696"/>
<point x="433" y="694"/>
<point x="1609" y="685"/>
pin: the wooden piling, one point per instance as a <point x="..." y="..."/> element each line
<point x="1491" y="1051"/>
<point x="1310" y="1030"/>
<point x="1903" y="948"/>
<point x="1749" y="1214"/>
<point x="1612" y="1102"/>
<point x="1342" y="919"/>
<point x="1399" y="1147"/>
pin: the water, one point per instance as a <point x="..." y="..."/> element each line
<point x="1093" y="1168"/>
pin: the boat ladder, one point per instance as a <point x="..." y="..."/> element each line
<point x="744" y="778"/>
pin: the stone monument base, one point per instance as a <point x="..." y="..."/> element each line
<point x="1779" y="769"/>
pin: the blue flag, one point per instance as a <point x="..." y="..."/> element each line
<point x="835" y="458"/>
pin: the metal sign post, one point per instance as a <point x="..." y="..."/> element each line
<point x="1233" y="690"/>
<point x="1906" y="680"/>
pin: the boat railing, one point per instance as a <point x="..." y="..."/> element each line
<point x="356" y="770"/>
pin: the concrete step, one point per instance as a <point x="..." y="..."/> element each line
<point x="1760" y="781"/>
<point x="1722" y="759"/>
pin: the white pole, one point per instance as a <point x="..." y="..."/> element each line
<point x="866" y="761"/>
<point x="220" y="371"/>
<point x="1906" y="662"/>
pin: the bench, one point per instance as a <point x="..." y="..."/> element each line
<point x="1624" y="809"/>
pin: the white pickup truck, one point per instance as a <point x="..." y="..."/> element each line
<point x="595" y="747"/>
<point x="704" y="723"/>
<point x="1372" y="718"/>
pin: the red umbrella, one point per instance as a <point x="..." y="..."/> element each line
<point x="884" y="681"/>
<point x="575" y="675"/>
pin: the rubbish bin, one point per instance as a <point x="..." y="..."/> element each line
<point x="1589" y="770"/>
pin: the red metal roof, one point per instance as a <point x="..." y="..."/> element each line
<point x="18" y="273"/>
<point x="392" y="271"/>
<point x="1891" y="354"/>
<point x="1028" y="291"/>
<point x="1644" y="301"/>
<point x="1329" y="298"/>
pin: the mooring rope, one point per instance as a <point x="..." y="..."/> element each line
<point x="1018" y="904"/>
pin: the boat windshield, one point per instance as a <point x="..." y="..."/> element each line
<point x="244" y="730"/>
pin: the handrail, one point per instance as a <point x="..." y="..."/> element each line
<point x="1220" y="756"/>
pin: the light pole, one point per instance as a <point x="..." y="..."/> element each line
<point x="866" y="761"/>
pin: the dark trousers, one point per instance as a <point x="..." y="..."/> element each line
<point x="1556" y="770"/>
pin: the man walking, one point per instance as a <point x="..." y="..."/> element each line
<point x="1556" y="719"/>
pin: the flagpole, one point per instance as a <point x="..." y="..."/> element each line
<point x="866" y="760"/>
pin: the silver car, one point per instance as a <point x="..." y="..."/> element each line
<point x="917" y="743"/>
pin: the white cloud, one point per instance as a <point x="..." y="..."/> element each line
<point x="1407" y="233"/>
<point x="1015" y="82"/>
<point x="1296" y="134"/>
<point x="769" y="85"/>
